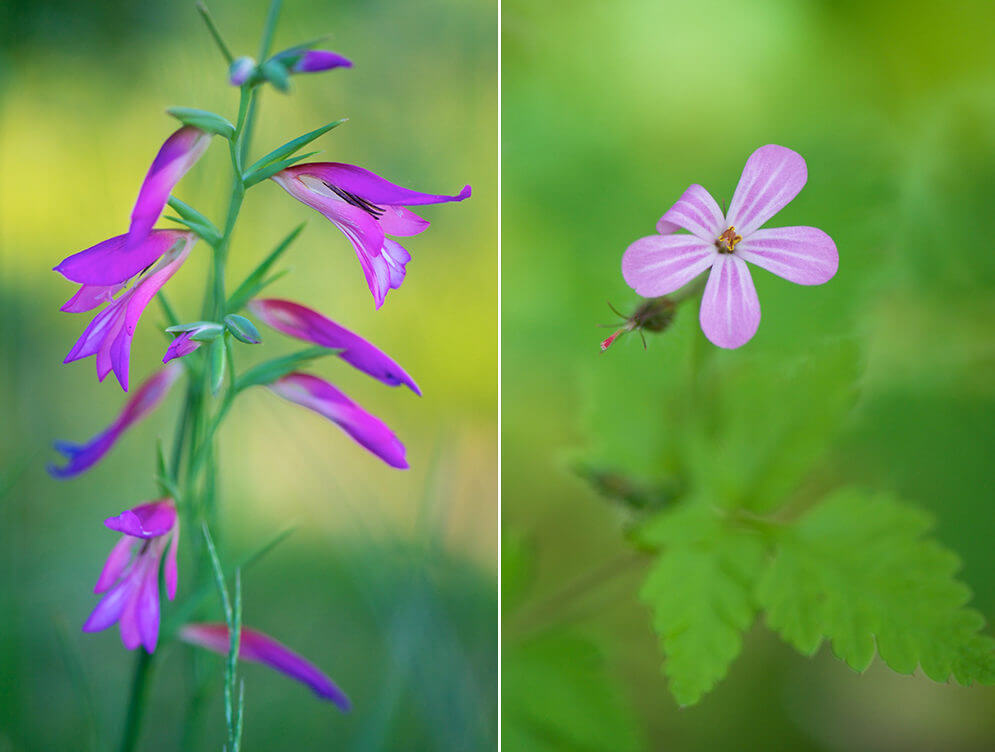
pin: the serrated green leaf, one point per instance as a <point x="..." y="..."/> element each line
<point x="254" y="282"/>
<point x="252" y="177"/>
<point x="209" y="122"/>
<point x="271" y="370"/>
<point x="857" y="570"/>
<point x="293" y="145"/>
<point x="700" y="591"/>
<point x="557" y="696"/>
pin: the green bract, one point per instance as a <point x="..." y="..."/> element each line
<point x="209" y="122"/>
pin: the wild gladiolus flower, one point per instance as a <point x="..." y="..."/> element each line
<point x="102" y="270"/>
<point x="366" y="430"/>
<point x="730" y="311"/>
<point x="83" y="456"/>
<point x="366" y="208"/>
<point x="260" y="648"/>
<point x="177" y="155"/>
<point x="306" y="324"/>
<point x="130" y="578"/>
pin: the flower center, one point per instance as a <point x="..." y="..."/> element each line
<point x="351" y="198"/>
<point x="726" y="242"/>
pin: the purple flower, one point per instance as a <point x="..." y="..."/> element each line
<point x="182" y="345"/>
<point x="260" y="648"/>
<point x="730" y="311"/>
<point x="130" y="578"/>
<point x="366" y="208"/>
<point x="306" y="324"/>
<point x="315" y="61"/>
<point x="102" y="270"/>
<point x="177" y="155"/>
<point x="366" y="430"/>
<point x="83" y="456"/>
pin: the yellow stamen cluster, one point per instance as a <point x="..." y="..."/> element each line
<point x="726" y="242"/>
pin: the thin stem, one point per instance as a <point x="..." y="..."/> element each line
<point x="213" y="28"/>
<point x="264" y="47"/>
<point x="136" y="702"/>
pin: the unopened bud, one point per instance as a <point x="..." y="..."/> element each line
<point x="241" y="70"/>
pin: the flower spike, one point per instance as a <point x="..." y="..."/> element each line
<point x="723" y="243"/>
<point x="261" y="648"/>
<point x="84" y="456"/>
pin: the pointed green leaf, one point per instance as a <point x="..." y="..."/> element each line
<point x="272" y="370"/>
<point x="191" y="215"/>
<point x="249" y="179"/>
<point x="217" y="363"/>
<point x="291" y="146"/>
<point x="242" y="329"/>
<point x="254" y="282"/>
<point x="209" y="122"/>
<point x="858" y="570"/>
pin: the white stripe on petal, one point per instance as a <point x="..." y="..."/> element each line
<point x="730" y="310"/>
<point x="660" y="264"/>
<point x="772" y="177"/>
<point x="805" y="255"/>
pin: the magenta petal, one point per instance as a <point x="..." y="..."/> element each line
<point x="695" y="211"/>
<point x="773" y="175"/>
<point x="314" y="61"/>
<point x="110" y="608"/>
<point x="660" y="264"/>
<point x="149" y="395"/>
<point x="146" y="521"/>
<point x="370" y="186"/>
<point x="307" y="324"/>
<point x="147" y="608"/>
<point x="261" y="648"/>
<point x="365" y="429"/>
<point x="117" y="561"/>
<point x="397" y="220"/>
<point x="177" y="155"/>
<point x="730" y="310"/>
<point x="805" y="255"/>
<point x="111" y="263"/>
<point x="180" y="346"/>
<point x="89" y="297"/>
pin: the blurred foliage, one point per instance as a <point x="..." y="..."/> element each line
<point x="388" y="583"/>
<point x="609" y="112"/>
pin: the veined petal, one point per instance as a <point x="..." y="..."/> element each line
<point x="730" y="310"/>
<point x="660" y="264"/>
<point x="89" y="297"/>
<point x="83" y="456"/>
<point x="397" y="257"/>
<point x="147" y="604"/>
<point x="314" y="61"/>
<point x="306" y="324"/>
<point x="773" y="175"/>
<point x="397" y="220"/>
<point x="805" y="255"/>
<point x="370" y="186"/>
<point x="695" y="211"/>
<point x="117" y="561"/>
<point x="177" y="155"/>
<point x="112" y="262"/>
<point x="146" y="520"/>
<point x="261" y="648"/>
<point x="365" y="429"/>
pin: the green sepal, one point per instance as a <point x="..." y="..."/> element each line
<point x="217" y="361"/>
<point x="291" y="146"/>
<point x="204" y="331"/>
<point x="242" y="329"/>
<point x="276" y="73"/>
<point x="209" y="122"/>
<point x="249" y="179"/>
<point x="273" y="370"/>
<point x="255" y="282"/>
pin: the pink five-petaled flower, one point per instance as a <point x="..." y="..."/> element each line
<point x="730" y="311"/>
<point x="306" y="324"/>
<point x="365" y="429"/>
<point x="366" y="208"/>
<point x="177" y="155"/>
<point x="84" y="456"/>
<point x="260" y="648"/>
<point x="103" y="271"/>
<point x="130" y="578"/>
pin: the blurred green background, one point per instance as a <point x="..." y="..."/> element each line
<point x="389" y="582"/>
<point x="610" y="110"/>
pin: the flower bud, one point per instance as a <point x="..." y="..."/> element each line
<point x="241" y="71"/>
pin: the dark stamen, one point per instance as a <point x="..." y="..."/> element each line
<point x="351" y="198"/>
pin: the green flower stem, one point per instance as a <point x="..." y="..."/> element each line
<point x="136" y="702"/>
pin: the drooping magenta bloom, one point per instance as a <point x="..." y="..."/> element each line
<point x="130" y="577"/>
<point x="177" y="155"/>
<point x="102" y="271"/>
<point x="730" y="311"/>
<point x="306" y="324"/>
<point x="84" y="456"/>
<point x="261" y="648"/>
<point x="367" y="209"/>
<point x="365" y="429"/>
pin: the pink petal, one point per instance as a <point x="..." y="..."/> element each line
<point x="307" y="324"/>
<point x="772" y="177"/>
<point x="111" y="262"/>
<point x="695" y="211"/>
<point x="365" y="429"/>
<point x="147" y="606"/>
<point x="730" y="310"/>
<point x="145" y="521"/>
<point x="110" y="608"/>
<point x="805" y="255"/>
<point x="400" y="221"/>
<point x="89" y="297"/>
<point x="117" y="561"/>
<point x="370" y="186"/>
<point x="660" y="264"/>
<point x="261" y="648"/>
<point x="314" y="61"/>
<point x="182" y="345"/>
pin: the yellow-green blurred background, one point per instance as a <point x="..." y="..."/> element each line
<point x="610" y="110"/>
<point x="389" y="582"/>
